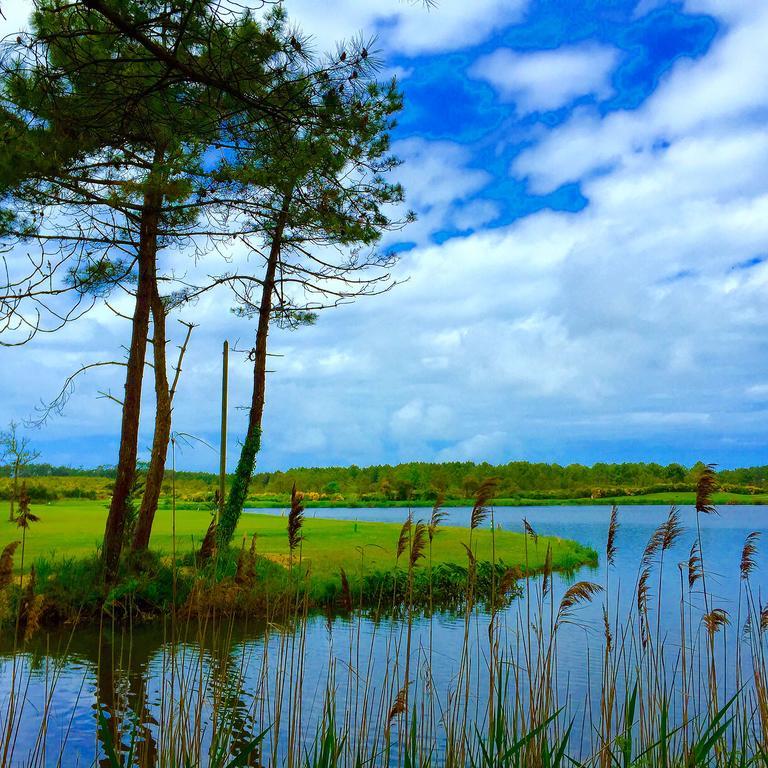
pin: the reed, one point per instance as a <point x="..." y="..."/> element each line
<point x="373" y="698"/>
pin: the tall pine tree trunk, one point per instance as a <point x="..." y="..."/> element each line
<point x="239" y="490"/>
<point x="162" y="436"/>
<point x="114" y="532"/>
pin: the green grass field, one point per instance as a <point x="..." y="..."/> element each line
<point x="74" y="529"/>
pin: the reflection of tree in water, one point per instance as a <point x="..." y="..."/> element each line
<point x="121" y="696"/>
<point x="236" y="720"/>
<point x="159" y="696"/>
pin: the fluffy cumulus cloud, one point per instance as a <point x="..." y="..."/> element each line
<point x="546" y="80"/>
<point x="634" y="328"/>
<point x="716" y="96"/>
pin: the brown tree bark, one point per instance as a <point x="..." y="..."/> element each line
<point x="162" y="436"/>
<point x="163" y="422"/>
<point x="239" y="490"/>
<point x="114" y="532"/>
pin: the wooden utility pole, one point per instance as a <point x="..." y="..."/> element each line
<point x="223" y="448"/>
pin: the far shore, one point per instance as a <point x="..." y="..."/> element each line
<point x="655" y="499"/>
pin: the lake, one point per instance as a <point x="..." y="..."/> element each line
<point x="249" y="670"/>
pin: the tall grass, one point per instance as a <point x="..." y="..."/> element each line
<point x="208" y="699"/>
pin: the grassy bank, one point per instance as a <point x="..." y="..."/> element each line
<point x="74" y="529"/>
<point x="62" y="545"/>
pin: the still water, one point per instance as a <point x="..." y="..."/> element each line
<point x="71" y="675"/>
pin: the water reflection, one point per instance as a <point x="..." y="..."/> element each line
<point x="187" y="690"/>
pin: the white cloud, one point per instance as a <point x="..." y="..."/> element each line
<point x="438" y="183"/>
<point x="410" y="28"/>
<point x="400" y="26"/>
<point x="482" y="447"/>
<point x="708" y="97"/>
<point x="546" y="80"/>
<point x="417" y="420"/>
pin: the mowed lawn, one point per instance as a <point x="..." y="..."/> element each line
<point x="75" y="529"/>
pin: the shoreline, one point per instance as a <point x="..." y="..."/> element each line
<point x="462" y="503"/>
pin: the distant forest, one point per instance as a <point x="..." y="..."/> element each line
<point x="421" y="481"/>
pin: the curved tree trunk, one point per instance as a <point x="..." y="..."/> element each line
<point x="114" y="532"/>
<point x="239" y="490"/>
<point x="162" y="436"/>
<point x="163" y="422"/>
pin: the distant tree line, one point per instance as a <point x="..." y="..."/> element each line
<point x="52" y="470"/>
<point x="423" y="481"/>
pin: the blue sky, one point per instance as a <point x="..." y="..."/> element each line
<point x="587" y="279"/>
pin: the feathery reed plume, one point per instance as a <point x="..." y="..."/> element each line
<point x="418" y="543"/>
<point x="671" y="529"/>
<point x="529" y="530"/>
<point x="653" y="546"/>
<point x="706" y="485"/>
<point x="664" y="536"/>
<point x="405" y="535"/>
<point x="25" y="516"/>
<point x="480" y="508"/>
<point x="642" y="604"/>
<point x="6" y="563"/>
<point x="642" y="590"/>
<point x="31" y="605"/>
<point x="547" y="582"/>
<point x="748" y="554"/>
<point x="613" y="527"/>
<point x="295" y="519"/>
<point x="580" y="592"/>
<point x="398" y="705"/>
<point x="607" y="630"/>
<point x="438" y="515"/>
<point x="694" y="565"/>
<point x="508" y="581"/>
<point x="715" y="620"/>
<point x="346" y="592"/>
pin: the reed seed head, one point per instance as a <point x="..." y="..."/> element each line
<point x="480" y="508"/>
<point x="405" y="535"/>
<point x="25" y="516"/>
<point x="398" y="705"/>
<point x="715" y="620"/>
<point x="581" y="592"/>
<point x="694" y="565"/>
<point x="418" y="543"/>
<point x="613" y="527"/>
<point x="295" y="519"/>
<point x="748" y="553"/>
<point x="706" y="485"/>
<point x="6" y="563"/>
<point x="438" y="515"/>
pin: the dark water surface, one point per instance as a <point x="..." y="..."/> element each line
<point x="147" y="665"/>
